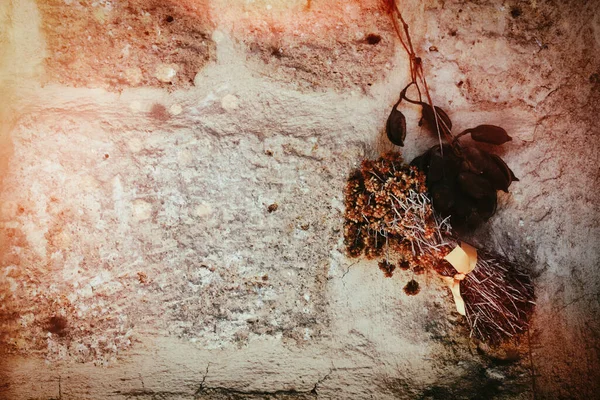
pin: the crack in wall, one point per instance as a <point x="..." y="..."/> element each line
<point x="280" y="393"/>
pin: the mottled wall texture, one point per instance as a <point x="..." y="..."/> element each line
<point x="171" y="198"/>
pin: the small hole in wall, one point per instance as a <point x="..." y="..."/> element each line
<point x="159" y="112"/>
<point x="373" y="38"/>
<point x="57" y="325"/>
<point x="276" y="52"/>
<point x="169" y="18"/>
<point x="515" y="12"/>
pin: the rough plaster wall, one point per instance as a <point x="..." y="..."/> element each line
<point x="139" y="255"/>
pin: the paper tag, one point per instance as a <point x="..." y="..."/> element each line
<point x="464" y="259"/>
<point x="454" y="286"/>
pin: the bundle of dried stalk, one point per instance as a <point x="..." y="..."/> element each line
<point x="389" y="215"/>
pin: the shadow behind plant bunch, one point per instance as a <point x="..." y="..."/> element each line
<point x="462" y="180"/>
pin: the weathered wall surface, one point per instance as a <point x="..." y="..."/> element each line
<point x="171" y="199"/>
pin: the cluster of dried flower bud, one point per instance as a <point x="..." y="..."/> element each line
<point x="388" y="214"/>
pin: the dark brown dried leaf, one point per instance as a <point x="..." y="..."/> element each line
<point x="463" y="207"/>
<point x="475" y="160"/>
<point x="489" y="134"/>
<point x="422" y="161"/>
<point x="436" y="167"/>
<point x="486" y="206"/>
<point x="444" y="122"/>
<point x="475" y="186"/>
<point x="396" y="127"/>
<point x="443" y="198"/>
<point x="452" y="162"/>
<point x="508" y="174"/>
<point x="497" y="173"/>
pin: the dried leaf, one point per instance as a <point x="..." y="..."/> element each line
<point x="443" y="198"/>
<point x="463" y="209"/>
<point x="444" y="122"/>
<point x="489" y="134"/>
<point x="475" y="186"/>
<point x="508" y="174"/>
<point x="436" y="167"/>
<point x="422" y="162"/>
<point x="396" y="127"/>
<point x="475" y="160"/>
<point x="486" y="206"/>
<point x="495" y="172"/>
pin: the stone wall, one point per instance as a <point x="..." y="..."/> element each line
<point x="171" y="220"/>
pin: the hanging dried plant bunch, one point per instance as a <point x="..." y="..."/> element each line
<point x="389" y="216"/>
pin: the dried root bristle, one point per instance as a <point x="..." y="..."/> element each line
<point x="499" y="298"/>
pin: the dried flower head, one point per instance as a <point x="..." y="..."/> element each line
<point x="388" y="213"/>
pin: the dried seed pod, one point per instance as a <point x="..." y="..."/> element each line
<point x="486" y="206"/>
<point x="396" y="127"/>
<point x="444" y="122"/>
<point x="463" y="182"/>
<point x="512" y="176"/>
<point x="489" y="134"/>
<point x="422" y="161"/>
<point x="452" y="162"/>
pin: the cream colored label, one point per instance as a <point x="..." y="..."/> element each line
<point x="464" y="259"/>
